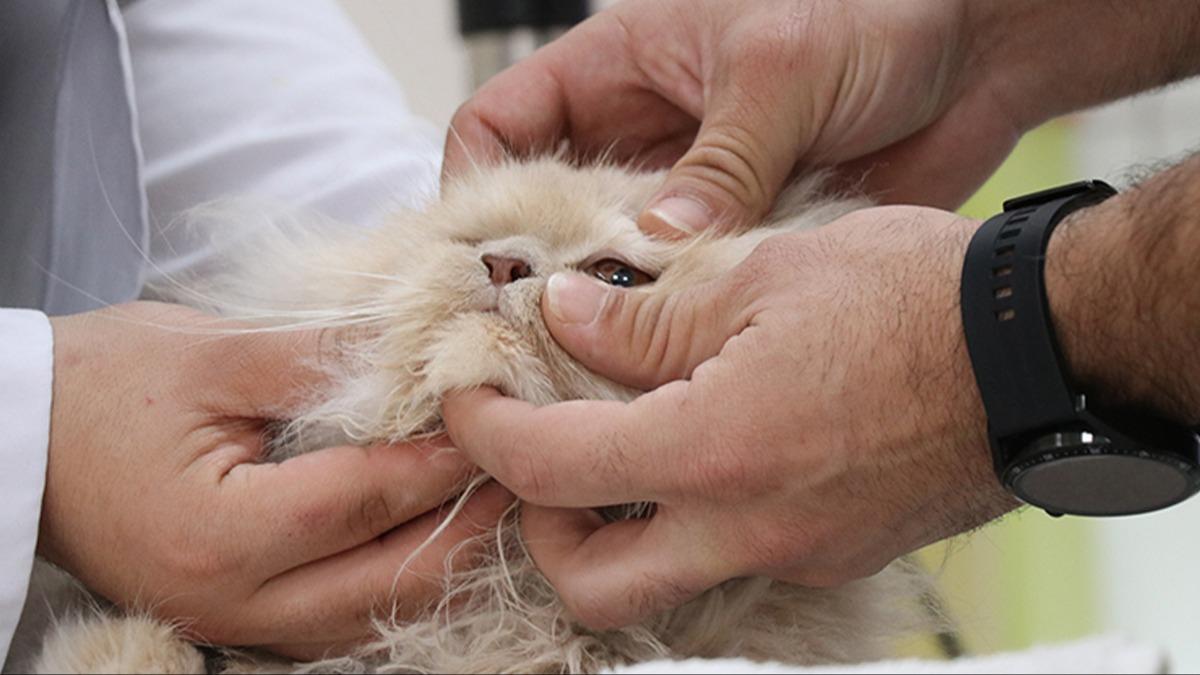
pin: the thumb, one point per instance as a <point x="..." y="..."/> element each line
<point x="732" y="173"/>
<point x="641" y="339"/>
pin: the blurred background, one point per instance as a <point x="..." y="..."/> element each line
<point x="1028" y="579"/>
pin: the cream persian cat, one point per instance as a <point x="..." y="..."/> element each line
<point x="449" y="298"/>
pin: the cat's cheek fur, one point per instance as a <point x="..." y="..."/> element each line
<point x="483" y="349"/>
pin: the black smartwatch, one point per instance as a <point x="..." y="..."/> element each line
<point x="1049" y="446"/>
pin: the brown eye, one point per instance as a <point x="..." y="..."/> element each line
<point x="618" y="273"/>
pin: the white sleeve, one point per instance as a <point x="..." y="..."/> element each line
<point x="281" y="101"/>
<point x="26" y="372"/>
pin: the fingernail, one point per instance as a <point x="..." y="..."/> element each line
<point x="574" y="298"/>
<point x="682" y="213"/>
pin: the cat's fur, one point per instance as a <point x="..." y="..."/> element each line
<point x="432" y="321"/>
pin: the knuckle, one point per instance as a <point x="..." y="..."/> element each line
<point x="717" y="473"/>
<point x="758" y="265"/>
<point x="656" y="593"/>
<point x="731" y="160"/>
<point x="539" y="480"/>
<point x="775" y="252"/>
<point x="526" y="476"/>
<point x="590" y="610"/>
<point x="746" y="285"/>
<point x="723" y="466"/>
<point x="775" y="260"/>
<point x="372" y="516"/>
<point x="655" y="333"/>
<point x="644" y="597"/>
<point x="311" y="516"/>
<point x="615" y="313"/>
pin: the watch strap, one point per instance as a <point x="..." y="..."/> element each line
<point x="1006" y="315"/>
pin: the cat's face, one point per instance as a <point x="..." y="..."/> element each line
<point x="469" y="272"/>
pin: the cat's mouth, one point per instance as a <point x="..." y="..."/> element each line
<point x="515" y="302"/>
<point x="495" y="306"/>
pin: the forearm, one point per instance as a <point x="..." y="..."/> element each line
<point x="1043" y="58"/>
<point x="1124" y="290"/>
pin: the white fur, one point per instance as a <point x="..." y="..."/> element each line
<point x="428" y="321"/>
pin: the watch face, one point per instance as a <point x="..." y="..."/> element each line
<point x="1083" y="474"/>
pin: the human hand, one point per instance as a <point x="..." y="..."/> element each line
<point x="812" y="417"/>
<point x="737" y="93"/>
<point x="920" y="100"/>
<point x="157" y="496"/>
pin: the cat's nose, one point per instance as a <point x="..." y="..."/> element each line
<point x="505" y="270"/>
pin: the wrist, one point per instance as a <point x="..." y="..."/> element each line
<point x="66" y="357"/>
<point x="1039" y="60"/>
<point x="1122" y="321"/>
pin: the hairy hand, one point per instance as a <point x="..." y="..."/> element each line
<point x="921" y="99"/>
<point x="157" y="495"/>
<point x="738" y="93"/>
<point x="812" y="416"/>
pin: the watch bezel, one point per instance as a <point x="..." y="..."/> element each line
<point x="1127" y="459"/>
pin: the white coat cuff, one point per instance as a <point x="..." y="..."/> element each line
<point x="26" y="372"/>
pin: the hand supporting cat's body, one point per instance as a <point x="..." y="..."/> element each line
<point x="449" y="299"/>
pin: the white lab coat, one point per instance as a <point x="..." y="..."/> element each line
<point x="279" y="99"/>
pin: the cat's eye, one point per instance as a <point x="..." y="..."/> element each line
<point x="618" y="273"/>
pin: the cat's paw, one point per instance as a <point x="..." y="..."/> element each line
<point x="108" y="644"/>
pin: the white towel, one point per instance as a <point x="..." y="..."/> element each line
<point x="1101" y="654"/>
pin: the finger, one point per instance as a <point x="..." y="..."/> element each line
<point x="641" y="339"/>
<point x="519" y="110"/>
<point x="589" y="88"/>
<point x="320" y="503"/>
<point x="578" y="453"/>
<point x="615" y="574"/>
<point x="332" y="601"/>
<point x="733" y="171"/>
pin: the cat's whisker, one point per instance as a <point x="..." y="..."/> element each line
<point x="137" y="245"/>
<point x="400" y="281"/>
<point x="82" y="291"/>
<point x="478" y="169"/>
<point x="117" y="314"/>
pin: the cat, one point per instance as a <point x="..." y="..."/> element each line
<point x="449" y="298"/>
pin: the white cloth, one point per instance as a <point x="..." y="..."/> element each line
<point x="278" y="100"/>
<point x="26" y="371"/>
<point x="1101" y="654"/>
<point x="275" y="99"/>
